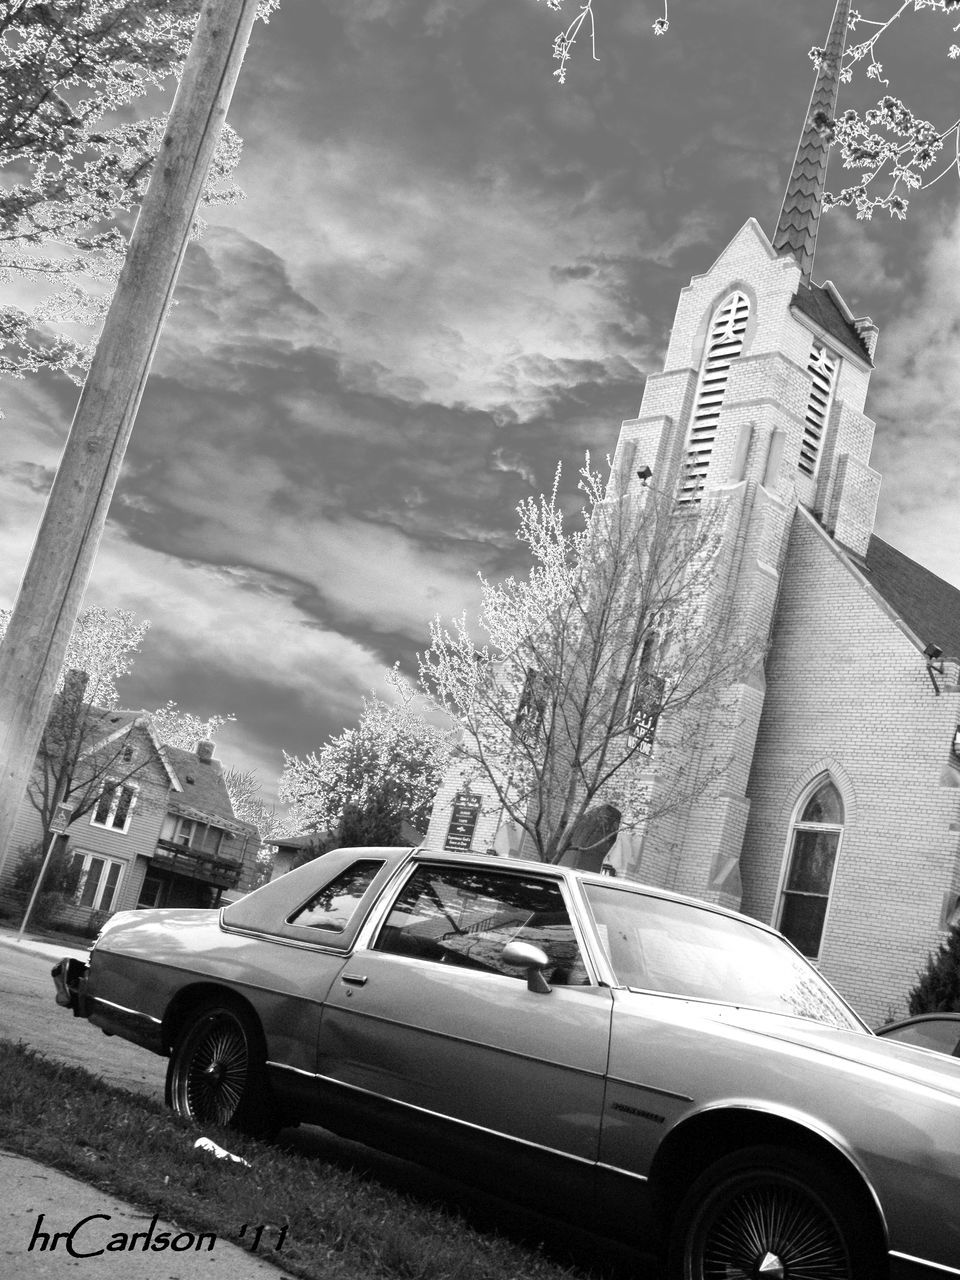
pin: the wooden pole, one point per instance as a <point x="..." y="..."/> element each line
<point x="34" y="646"/>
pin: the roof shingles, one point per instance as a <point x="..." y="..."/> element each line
<point x="202" y="782"/>
<point x="929" y="606"/>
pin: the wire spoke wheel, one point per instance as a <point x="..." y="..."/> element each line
<point x="213" y="1076"/>
<point x="768" y="1214"/>
<point x="216" y="1072"/>
<point x="775" y="1231"/>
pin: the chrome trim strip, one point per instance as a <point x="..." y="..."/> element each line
<point x="137" y="1013"/>
<point x="437" y="1115"/>
<point x="649" y="1088"/>
<point x="924" y="1262"/>
<point x="301" y="943"/>
<point x="627" y="1173"/>
<point x="285" y="1066"/>
<point x="586" y="928"/>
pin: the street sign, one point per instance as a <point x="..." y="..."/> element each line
<point x="61" y="819"/>
<point x="463" y="820"/>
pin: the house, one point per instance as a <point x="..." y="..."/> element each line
<point x="156" y="827"/>
<point x="837" y="813"/>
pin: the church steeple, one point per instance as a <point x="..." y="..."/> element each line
<point x="799" y="219"/>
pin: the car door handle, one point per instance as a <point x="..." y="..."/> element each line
<point x="354" y="979"/>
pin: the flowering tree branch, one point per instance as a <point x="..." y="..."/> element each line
<point x="605" y="655"/>
<point x="67" y="72"/>
<point x="896" y="151"/>
<point x="391" y="762"/>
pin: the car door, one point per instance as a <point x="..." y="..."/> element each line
<point x="449" y="1046"/>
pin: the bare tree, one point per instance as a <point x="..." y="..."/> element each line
<point x="598" y="666"/>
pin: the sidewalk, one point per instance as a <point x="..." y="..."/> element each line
<point x="36" y="1203"/>
<point x="41" y="946"/>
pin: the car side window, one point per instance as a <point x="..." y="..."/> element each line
<point x="333" y="906"/>
<point x="463" y="916"/>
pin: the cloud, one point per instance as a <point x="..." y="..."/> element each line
<point x="914" y="397"/>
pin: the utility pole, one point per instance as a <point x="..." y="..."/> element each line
<point x="34" y="646"/>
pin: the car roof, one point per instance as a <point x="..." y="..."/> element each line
<point x="245" y="911"/>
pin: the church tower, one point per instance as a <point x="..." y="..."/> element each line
<point x="819" y="790"/>
<point x="758" y="411"/>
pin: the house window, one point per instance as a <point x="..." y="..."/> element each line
<point x="115" y="806"/>
<point x="724" y="344"/>
<point x="822" y="367"/>
<point x="99" y="881"/>
<point x="191" y="834"/>
<point x="814" y="845"/>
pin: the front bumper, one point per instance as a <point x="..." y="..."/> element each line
<point x="70" y="980"/>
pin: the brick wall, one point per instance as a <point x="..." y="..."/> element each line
<point x="848" y="693"/>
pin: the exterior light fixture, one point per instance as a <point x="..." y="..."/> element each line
<point x="934" y="656"/>
<point x="644" y="473"/>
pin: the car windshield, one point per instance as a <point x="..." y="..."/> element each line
<point x="680" y="949"/>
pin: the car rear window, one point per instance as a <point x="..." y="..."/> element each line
<point x="332" y="907"/>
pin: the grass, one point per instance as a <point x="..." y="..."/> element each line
<point x="340" y="1225"/>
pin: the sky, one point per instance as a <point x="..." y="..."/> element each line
<point x="450" y="273"/>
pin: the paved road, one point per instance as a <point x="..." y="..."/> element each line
<point x="28" y="1013"/>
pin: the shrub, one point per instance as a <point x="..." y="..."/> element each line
<point x="59" y="883"/>
<point x="62" y="875"/>
<point x="938" y="986"/>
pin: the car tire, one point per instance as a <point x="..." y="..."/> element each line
<point x="217" y="1071"/>
<point x="771" y="1212"/>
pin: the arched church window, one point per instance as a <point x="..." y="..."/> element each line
<point x="724" y="344"/>
<point x="646" y="700"/>
<point x="814" y="845"/>
<point x="822" y="367"/>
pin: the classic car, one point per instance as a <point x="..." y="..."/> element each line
<point x="664" y="1069"/>
<point x="937" y="1031"/>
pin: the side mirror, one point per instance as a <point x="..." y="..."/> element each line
<point x="526" y="956"/>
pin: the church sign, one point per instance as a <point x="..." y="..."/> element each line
<point x="463" y="821"/>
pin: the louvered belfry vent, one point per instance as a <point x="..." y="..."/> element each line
<point x="822" y="367"/>
<point x="724" y="344"/>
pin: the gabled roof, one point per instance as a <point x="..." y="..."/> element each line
<point x="201" y="784"/>
<point x="819" y="302"/>
<point x="929" y="606"/>
<point x="117" y="724"/>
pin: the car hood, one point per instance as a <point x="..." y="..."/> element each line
<point x="908" y="1062"/>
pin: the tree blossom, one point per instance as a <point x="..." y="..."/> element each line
<point x="393" y="761"/>
<point x="607" y="652"/>
<point x="71" y="71"/>
<point x="183" y="729"/>
<point x="102" y="646"/>
<point x="902" y="158"/>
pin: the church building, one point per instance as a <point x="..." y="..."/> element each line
<point x="838" y="818"/>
